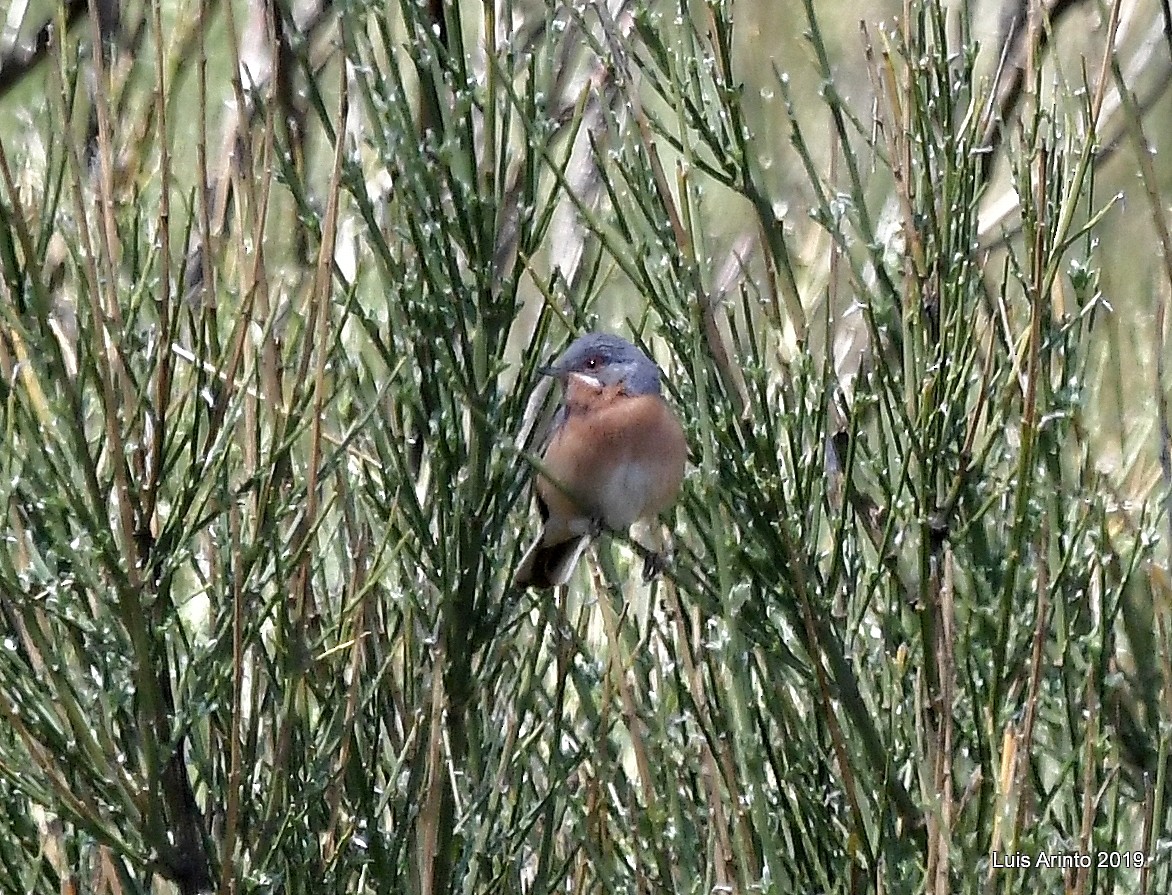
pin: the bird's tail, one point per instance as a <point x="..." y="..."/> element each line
<point x="549" y="565"/>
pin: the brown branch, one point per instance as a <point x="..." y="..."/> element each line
<point x="1017" y="38"/>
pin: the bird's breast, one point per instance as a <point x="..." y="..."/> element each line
<point x="616" y="458"/>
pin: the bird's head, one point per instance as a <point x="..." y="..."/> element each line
<point x="602" y="360"/>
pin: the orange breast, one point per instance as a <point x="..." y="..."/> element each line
<point x="617" y="458"/>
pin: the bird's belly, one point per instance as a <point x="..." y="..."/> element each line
<point x="615" y="464"/>
<point x="627" y="493"/>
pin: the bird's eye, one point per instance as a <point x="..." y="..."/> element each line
<point x="592" y="362"/>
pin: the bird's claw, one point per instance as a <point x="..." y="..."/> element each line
<point x="653" y="564"/>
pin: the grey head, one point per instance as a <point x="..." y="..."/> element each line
<point x="610" y="360"/>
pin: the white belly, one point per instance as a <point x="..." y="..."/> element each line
<point x="625" y="494"/>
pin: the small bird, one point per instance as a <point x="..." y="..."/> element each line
<point x="616" y="454"/>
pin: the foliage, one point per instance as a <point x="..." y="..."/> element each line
<point x="268" y="446"/>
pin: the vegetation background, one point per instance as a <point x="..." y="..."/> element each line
<point x="275" y="281"/>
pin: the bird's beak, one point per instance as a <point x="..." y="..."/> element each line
<point x="549" y="371"/>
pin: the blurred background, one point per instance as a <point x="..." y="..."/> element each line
<point x="276" y="280"/>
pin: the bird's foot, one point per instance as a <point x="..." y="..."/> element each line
<point x="653" y="564"/>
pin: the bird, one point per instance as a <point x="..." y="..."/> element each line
<point x="616" y="455"/>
